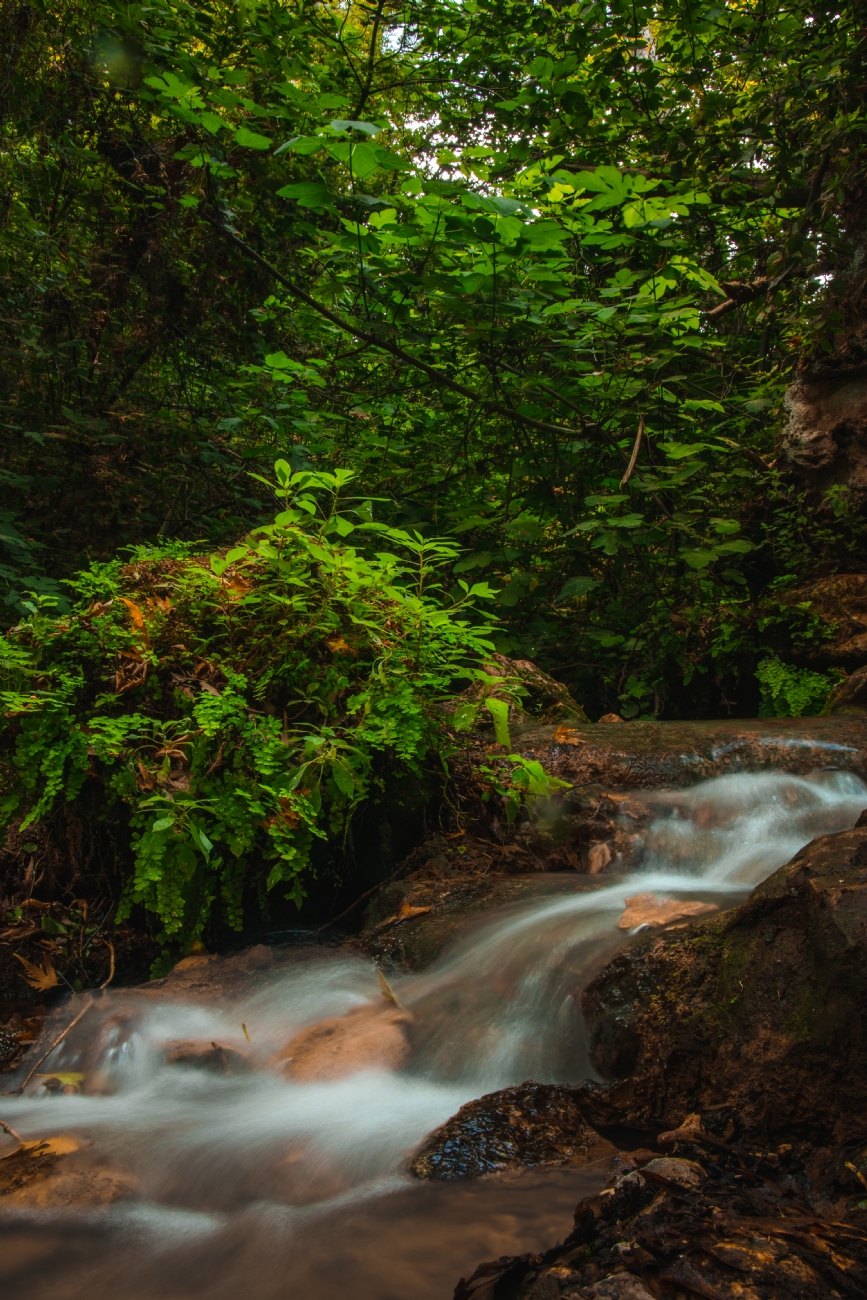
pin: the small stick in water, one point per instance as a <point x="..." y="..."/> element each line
<point x="246" y="1035"/>
<point x="387" y="991"/>
<point x="7" y="1128"/>
<point x="58" y="1040"/>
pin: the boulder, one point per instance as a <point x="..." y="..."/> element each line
<point x="825" y="437"/>
<point x="530" y="1124"/>
<point x="760" y="1012"/>
<point x="850" y="696"/>
<point x="840" y="602"/>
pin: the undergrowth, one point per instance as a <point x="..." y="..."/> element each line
<point x="238" y="704"/>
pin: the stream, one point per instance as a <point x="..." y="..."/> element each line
<point x="252" y="1184"/>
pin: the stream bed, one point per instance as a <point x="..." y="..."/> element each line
<point x="251" y="1183"/>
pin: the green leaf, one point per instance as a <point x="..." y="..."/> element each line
<point x="575" y="587"/>
<point x="499" y="711"/>
<point x="339" y="124"/>
<point x="308" y="194"/>
<point x="248" y="139"/>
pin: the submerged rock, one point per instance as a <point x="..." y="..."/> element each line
<point x="59" y="1172"/>
<point x="368" y="1038"/>
<point x="648" y="910"/>
<point x="530" y="1124"/>
<point x="205" y="1054"/>
<point x="762" y="1011"/>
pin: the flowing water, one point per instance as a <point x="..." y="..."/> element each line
<point x="252" y="1183"/>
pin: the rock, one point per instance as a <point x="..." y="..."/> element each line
<point x="686" y="1173"/>
<point x="202" y="1054"/>
<point x="850" y="696"/>
<point x="841" y="602"/>
<point x="543" y="699"/>
<point x="825" y="437"/>
<point x="647" y="909"/>
<point x="598" y="858"/>
<point x="450" y="904"/>
<point x="619" y="1286"/>
<point x="530" y="1124"/>
<point x="727" y="1234"/>
<point x="368" y="1038"/>
<point x="59" y="1171"/>
<point x="760" y="1012"/>
<point x="649" y="755"/>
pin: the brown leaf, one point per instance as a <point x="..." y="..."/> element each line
<point x="567" y="736"/>
<point x="135" y="614"/>
<point x="42" y="977"/>
<point x="338" y="646"/>
<point x="407" y="910"/>
<point x="237" y="586"/>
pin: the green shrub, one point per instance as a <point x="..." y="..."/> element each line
<point x="791" y="692"/>
<point x="237" y="703"/>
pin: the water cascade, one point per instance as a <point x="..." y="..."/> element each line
<point x="251" y="1181"/>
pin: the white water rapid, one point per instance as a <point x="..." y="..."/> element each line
<point x="249" y="1184"/>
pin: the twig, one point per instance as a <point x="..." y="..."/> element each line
<point x="58" y="1040"/>
<point x="7" y="1128"/>
<point x="106" y="983"/>
<point x="634" y="457"/>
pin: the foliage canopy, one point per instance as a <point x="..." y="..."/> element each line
<point x="535" y="274"/>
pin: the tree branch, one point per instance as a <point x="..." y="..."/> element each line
<point x="393" y="349"/>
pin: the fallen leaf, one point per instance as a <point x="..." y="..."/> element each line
<point x="567" y="736"/>
<point x="135" y="614"/>
<point x="236" y="586"/>
<point x="68" y="1076"/>
<point x="38" y="977"/>
<point x="407" y="910"/>
<point x="62" y="1145"/>
<point x="338" y="646"/>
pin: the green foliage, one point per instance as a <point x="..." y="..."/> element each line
<point x="789" y="692"/>
<point x="519" y="786"/>
<point x="537" y="275"/>
<point x="239" y="704"/>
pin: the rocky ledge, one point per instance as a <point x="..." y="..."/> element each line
<point x="739" y="1048"/>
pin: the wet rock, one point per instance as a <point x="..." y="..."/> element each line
<point x="648" y="755"/>
<point x="619" y="1286"/>
<point x="647" y="909"/>
<point x="729" y="1235"/>
<point x="530" y="1124"/>
<point x="58" y="1172"/>
<point x="840" y="602"/>
<point x="367" y="1038"/>
<point x="850" y="696"/>
<point x="685" y="1173"/>
<point x="449" y="905"/>
<point x="203" y="1054"/>
<point x="760" y="1012"/>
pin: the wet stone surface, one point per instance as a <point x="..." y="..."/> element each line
<point x="530" y="1124"/>
<point x="721" y="1223"/>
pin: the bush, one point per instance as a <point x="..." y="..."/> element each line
<point x="791" y="692"/>
<point x="236" y="703"/>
